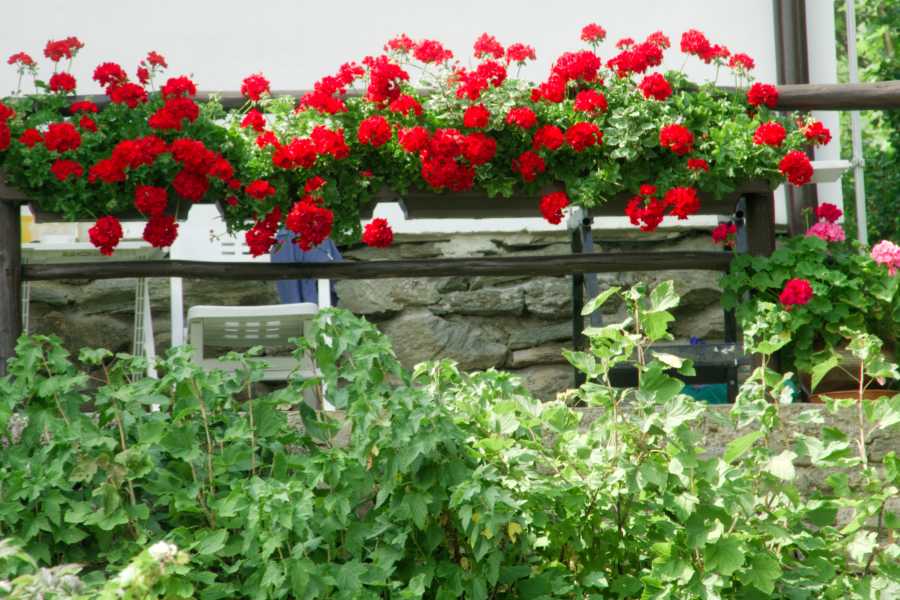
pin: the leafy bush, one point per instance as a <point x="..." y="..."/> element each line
<point x="435" y="484"/>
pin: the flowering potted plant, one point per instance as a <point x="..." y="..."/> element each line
<point x="591" y="132"/>
<point x="826" y="286"/>
<point x="146" y="154"/>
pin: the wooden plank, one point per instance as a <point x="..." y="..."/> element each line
<point x="562" y="264"/>
<point x="10" y="281"/>
<point x="815" y="96"/>
<point x="760" y="223"/>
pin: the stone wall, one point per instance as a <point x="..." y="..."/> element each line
<point x="515" y="323"/>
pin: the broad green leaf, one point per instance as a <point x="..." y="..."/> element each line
<point x="210" y="543"/>
<point x="737" y="447"/>
<point x="599" y="300"/>
<point x="782" y="465"/>
<point x="823" y="368"/>
<point x="725" y="556"/>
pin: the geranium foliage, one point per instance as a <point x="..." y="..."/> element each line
<point x="412" y="117"/>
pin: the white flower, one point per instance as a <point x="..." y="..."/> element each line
<point x="162" y="551"/>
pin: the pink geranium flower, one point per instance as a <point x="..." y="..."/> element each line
<point x="888" y="254"/>
<point x="830" y="232"/>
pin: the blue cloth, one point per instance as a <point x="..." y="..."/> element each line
<point x="302" y="290"/>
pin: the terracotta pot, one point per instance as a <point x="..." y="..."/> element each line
<point x="869" y="394"/>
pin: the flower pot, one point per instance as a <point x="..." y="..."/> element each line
<point x="471" y="204"/>
<point x="869" y="394"/>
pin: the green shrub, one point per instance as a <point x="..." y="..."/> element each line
<point x="434" y="484"/>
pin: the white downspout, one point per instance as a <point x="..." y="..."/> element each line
<point x="859" y="182"/>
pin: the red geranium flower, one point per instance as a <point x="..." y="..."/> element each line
<point x="311" y="223"/>
<point x="796" y="292"/>
<point x="254" y="87"/>
<point x="6" y="112"/>
<point x="762" y="93"/>
<point x="476" y="117"/>
<point x="697" y="164"/>
<point x="63" y="169"/>
<point x="261" y="236"/>
<point x="129" y="94"/>
<point x="414" y="139"/>
<point x="56" y="50"/>
<point x="299" y="153"/>
<point x="479" y="148"/>
<point x="552" y="205"/>
<point x="655" y="86"/>
<point x="110" y="73"/>
<point x="676" y="138"/>
<point x="550" y="137"/>
<point x="150" y="200"/>
<point x="487" y="45"/>
<point x="529" y="165"/>
<point x="593" y="34"/>
<point x="260" y="189"/>
<point x="161" y="231"/>
<point x="30" y="137"/>
<point x="85" y="106"/>
<point x="817" y="133"/>
<point x="590" y="101"/>
<point x="156" y="59"/>
<point x="724" y="234"/>
<point x="795" y="166"/>
<point x="576" y="66"/>
<point x="177" y="87"/>
<point x="254" y="119"/>
<point x="105" y="234"/>
<point x="330" y="142"/>
<point x="62" y="82"/>
<point x="5" y="135"/>
<point x="520" y="53"/>
<point x="431" y="51"/>
<point x="107" y="171"/>
<point x="581" y="136"/>
<point x="190" y="185"/>
<point x="828" y="211"/>
<point x="694" y="42"/>
<point x="313" y="183"/>
<point x="374" y="131"/>
<point x="62" y="137"/>
<point x="521" y="116"/>
<point x="404" y="104"/>
<point x="22" y="59"/>
<point x="378" y="234"/>
<point x="741" y="62"/>
<point x="87" y="124"/>
<point x="683" y="201"/>
<point x="770" y="134"/>
<point x="402" y="44"/>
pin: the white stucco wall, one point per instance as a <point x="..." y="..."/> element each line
<point x="295" y="42"/>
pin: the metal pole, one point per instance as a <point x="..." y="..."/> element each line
<point x="859" y="182"/>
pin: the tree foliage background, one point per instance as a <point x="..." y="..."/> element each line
<point x="877" y="27"/>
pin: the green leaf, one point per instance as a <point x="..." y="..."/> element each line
<point x="663" y="296"/>
<point x="211" y="542"/>
<point x="823" y="368"/>
<point x="737" y="447"/>
<point x="599" y="300"/>
<point x="782" y="465"/>
<point x="725" y="556"/>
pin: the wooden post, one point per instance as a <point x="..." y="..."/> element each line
<point x="10" y="280"/>
<point x="759" y="218"/>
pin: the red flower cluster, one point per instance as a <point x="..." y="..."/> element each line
<point x="261" y="236"/>
<point x="590" y="101"/>
<point x="323" y="99"/>
<point x="405" y="104"/>
<point x="762" y="94"/>
<point x="741" y="62"/>
<point x="487" y="45"/>
<point x="655" y="86"/>
<point x="259" y="189"/>
<point x="795" y="166"/>
<point x="6" y="113"/>
<point x="161" y="231"/>
<point x="63" y="169"/>
<point x="378" y="234"/>
<point x="62" y="82"/>
<point x="583" y="135"/>
<point x="374" y="131"/>
<point x="83" y="106"/>
<point x="648" y="211"/>
<point x="30" y="137"/>
<point x="172" y="115"/>
<point x="56" y="50"/>
<point x="22" y="59"/>
<point x="62" y="137"/>
<point x="694" y="42"/>
<point x="637" y="58"/>
<point x="829" y="212"/>
<point x="384" y="79"/>
<point x="796" y="292"/>
<point x="521" y="116"/>
<point x="529" y="165"/>
<point x="479" y="148"/>
<point x="442" y="157"/>
<point x="576" y="66"/>
<point x="431" y="51"/>
<point x="254" y="87"/>
<point x="817" y="133"/>
<point x="129" y="94"/>
<point x="476" y="117"/>
<point x="254" y="119"/>
<point x="552" y="205"/>
<point x="150" y="200"/>
<point x="697" y="164"/>
<point x="330" y="142"/>
<point x="87" y="124"/>
<point x="109" y="73"/>
<point x="724" y="234"/>
<point x="676" y="138"/>
<point x="312" y="223"/>
<point x="299" y="153"/>
<point x="593" y="34"/>
<point x="472" y="83"/>
<point x="520" y="53"/>
<point x="550" y="137"/>
<point x="769" y="134"/>
<point x="105" y="234"/>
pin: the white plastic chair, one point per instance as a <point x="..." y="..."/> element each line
<point x="236" y="327"/>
